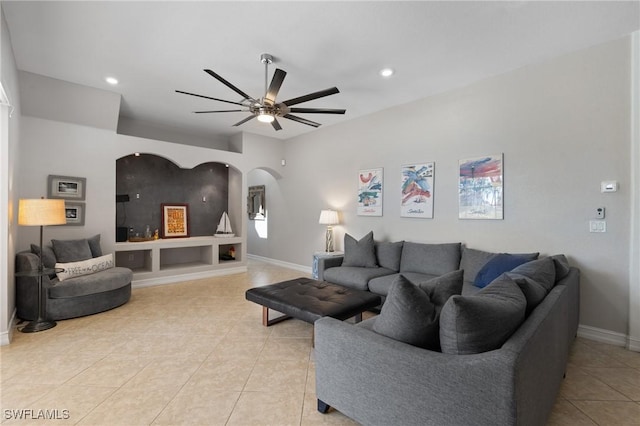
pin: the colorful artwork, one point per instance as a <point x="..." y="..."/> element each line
<point x="417" y="191"/>
<point x="480" y="188"/>
<point x="370" y="192"/>
<point x="175" y="220"/>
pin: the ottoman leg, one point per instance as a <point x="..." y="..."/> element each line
<point x="323" y="407"/>
<point x="265" y="317"/>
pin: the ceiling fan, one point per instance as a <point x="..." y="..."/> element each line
<point x="266" y="109"/>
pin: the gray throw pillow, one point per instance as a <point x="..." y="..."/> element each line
<point x="542" y="271"/>
<point x="430" y="259"/>
<point x="71" y="250"/>
<point x="388" y="255"/>
<point x="533" y="291"/>
<point x="48" y="256"/>
<point x="484" y="321"/>
<point x="359" y="253"/>
<point x="94" y="245"/>
<point x="408" y="316"/>
<point x="441" y="288"/>
<point x="562" y="266"/>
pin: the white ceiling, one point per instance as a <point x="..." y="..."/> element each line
<point x="154" y="48"/>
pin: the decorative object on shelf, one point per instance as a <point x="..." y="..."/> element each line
<point x="175" y="220"/>
<point x="329" y="218"/>
<point x="224" y="227"/>
<point x="256" y="207"/>
<point x="156" y="235"/>
<point x="74" y="213"/>
<point x="480" y="188"/>
<point x="66" y="187"/>
<point x="40" y="212"/>
<point x="370" y="192"/>
<point x="417" y="191"/>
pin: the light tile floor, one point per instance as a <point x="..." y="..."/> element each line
<point x="197" y="353"/>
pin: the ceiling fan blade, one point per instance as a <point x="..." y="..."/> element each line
<point x="302" y="120"/>
<point x="312" y="96"/>
<point x="208" y="97"/>
<point x="317" y="110"/>
<point x="274" y="87"/>
<point x="222" y="110"/>
<point x="229" y="85"/>
<point x="275" y="124"/>
<point x="244" y="120"/>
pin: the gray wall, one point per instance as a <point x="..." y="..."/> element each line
<point x="563" y="126"/>
<point x="150" y="180"/>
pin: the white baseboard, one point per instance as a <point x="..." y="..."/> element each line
<point x="634" y="344"/>
<point x="295" y="266"/>
<point x="603" y="336"/>
<point x="171" y="279"/>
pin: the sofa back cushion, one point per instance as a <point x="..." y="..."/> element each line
<point x="430" y="259"/>
<point x="360" y="253"/>
<point x="482" y="322"/>
<point x="48" y="256"/>
<point x="388" y="254"/>
<point x="473" y="260"/>
<point x="543" y="271"/>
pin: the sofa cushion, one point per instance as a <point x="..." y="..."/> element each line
<point x="48" y="256"/>
<point x="107" y="280"/>
<point x="483" y="322"/>
<point x="430" y="259"/>
<point x="84" y="267"/>
<point x="543" y="271"/>
<point x="94" y="245"/>
<point x="473" y="260"/>
<point x="533" y="291"/>
<point x="562" y="266"/>
<point x="359" y="253"/>
<point x="408" y="315"/>
<point x="354" y="277"/>
<point x="71" y="250"/>
<point x="496" y="266"/>
<point x="388" y="254"/>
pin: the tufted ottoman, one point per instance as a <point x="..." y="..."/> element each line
<point x="309" y="300"/>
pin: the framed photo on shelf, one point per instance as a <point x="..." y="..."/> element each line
<point x="66" y="187"/>
<point x="175" y="220"/>
<point x="370" y="192"/>
<point x="480" y="186"/>
<point x="74" y="212"/>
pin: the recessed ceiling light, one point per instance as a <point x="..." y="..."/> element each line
<point x="386" y="72"/>
<point x="111" y="80"/>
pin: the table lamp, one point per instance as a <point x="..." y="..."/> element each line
<point x="40" y="212"/>
<point x="329" y="218"/>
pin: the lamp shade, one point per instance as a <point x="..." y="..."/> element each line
<point x="328" y="217"/>
<point x="41" y="212"/>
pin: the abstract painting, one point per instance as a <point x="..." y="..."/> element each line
<point x="417" y="191"/>
<point x="480" y="188"/>
<point x="370" y="192"/>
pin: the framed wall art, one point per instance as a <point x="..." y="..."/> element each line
<point x="370" y="192"/>
<point x="480" y="188"/>
<point x="175" y="220"/>
<point x="66" y="187"/>
<point x="417" y="191"/>
<point x="74" y="212"/>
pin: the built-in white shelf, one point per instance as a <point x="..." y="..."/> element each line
<point x="177" y="259"/>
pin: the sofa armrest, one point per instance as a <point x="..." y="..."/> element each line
<point x="325" y="263"/>
<point x="359" y="371"/>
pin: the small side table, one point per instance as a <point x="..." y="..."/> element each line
<point x="321" y="254"/>
<point x="41" y="323"/>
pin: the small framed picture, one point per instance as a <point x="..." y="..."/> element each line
<point x="74" y="213"/>
<point x="175" y="220"/>
<point x="66" y="187"/>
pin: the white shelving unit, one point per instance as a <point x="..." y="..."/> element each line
<point x="177" y="259"/>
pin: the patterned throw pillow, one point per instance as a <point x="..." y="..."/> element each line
<point x="84" y="267"/>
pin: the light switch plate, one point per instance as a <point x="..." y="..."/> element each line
<point x="597" y="226"/>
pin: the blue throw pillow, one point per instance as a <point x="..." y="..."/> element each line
<point x="500" y="263"/>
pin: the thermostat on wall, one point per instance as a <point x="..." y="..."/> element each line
<point x="608" y="186"/>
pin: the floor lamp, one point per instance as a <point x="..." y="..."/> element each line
<point x="329" y="218"/>
<point x="40" y="212"/>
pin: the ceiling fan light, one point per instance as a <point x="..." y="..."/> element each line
<point x="264" y="117"/>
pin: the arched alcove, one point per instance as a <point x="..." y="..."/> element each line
<point x="145" y="181"/>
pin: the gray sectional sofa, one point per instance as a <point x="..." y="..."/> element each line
<point x="76" y="295"/>
<point x="499" y="356"/>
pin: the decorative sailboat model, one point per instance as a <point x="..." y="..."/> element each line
<point x="224" y="227"/>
